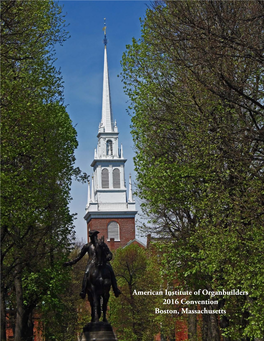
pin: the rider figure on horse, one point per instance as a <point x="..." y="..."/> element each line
<point x="90" y="248"/>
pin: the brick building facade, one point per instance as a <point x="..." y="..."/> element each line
<point x="126" y="227"/>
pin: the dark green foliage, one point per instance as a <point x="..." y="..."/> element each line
<point x="195" y="80"/>
<point x="72" y="313"/>
<point x="132" y="315"/>
<point x="38" y="143"/>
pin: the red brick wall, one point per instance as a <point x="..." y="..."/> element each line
<point x="37" y="329"/>
<point x="126" y="225"/>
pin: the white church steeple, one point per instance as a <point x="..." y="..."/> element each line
<point x="109" y="209"/>
<point x="108" y="189"/>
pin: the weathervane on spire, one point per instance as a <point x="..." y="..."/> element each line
<point x="104" y="29"/>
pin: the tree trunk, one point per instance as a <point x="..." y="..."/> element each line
<point x="205" y="327"/>
<point x="215" y="333"/>
<point x="3" y="315"/>
<point x="210" y="329"/>
<point x="19" y="305"/>
<point x="224" y="322"/>
<point x="192" y="328"/>
<point x="28" y="325"/>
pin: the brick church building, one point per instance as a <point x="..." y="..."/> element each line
<point x="110" y="207"/>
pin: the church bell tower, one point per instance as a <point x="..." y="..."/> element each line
<point x="109" y="209"/>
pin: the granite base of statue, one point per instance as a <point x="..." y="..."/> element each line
<point x="100" y="331"/>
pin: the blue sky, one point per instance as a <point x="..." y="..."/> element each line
<point x="81" y="62"/>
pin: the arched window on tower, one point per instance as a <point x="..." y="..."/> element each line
<point x="116" y="178"/>
<point x="113" y="231"/>
<point x="109" y="147"/>
<point x="105" y="178"/>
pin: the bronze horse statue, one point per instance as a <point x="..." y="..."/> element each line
<point x="99" y="275"/>
<point x="99" y="282"/>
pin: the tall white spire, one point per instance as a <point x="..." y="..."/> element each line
<point x="107" y="121"/>
<point x="108" y="209"/>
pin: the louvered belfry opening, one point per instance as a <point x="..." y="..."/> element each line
<point x="109" y="147"/>
<point x="116" y="178"/>
<point x="105" y="178"/>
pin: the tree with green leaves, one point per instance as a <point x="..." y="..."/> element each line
<point x="37" y="163"/>
<point x="133" y="315"/>
<point x="72" y="312"/>
<point x="195" y="81"/>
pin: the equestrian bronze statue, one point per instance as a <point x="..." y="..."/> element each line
<point x="99" y="275"/>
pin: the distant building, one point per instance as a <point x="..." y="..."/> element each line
<point x="109" y="209"/>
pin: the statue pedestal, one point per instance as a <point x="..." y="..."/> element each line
<point x="100" y="331"/>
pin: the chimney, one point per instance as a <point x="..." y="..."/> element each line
<point x="112" y="244"/>
<point x="148" y="240"/>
